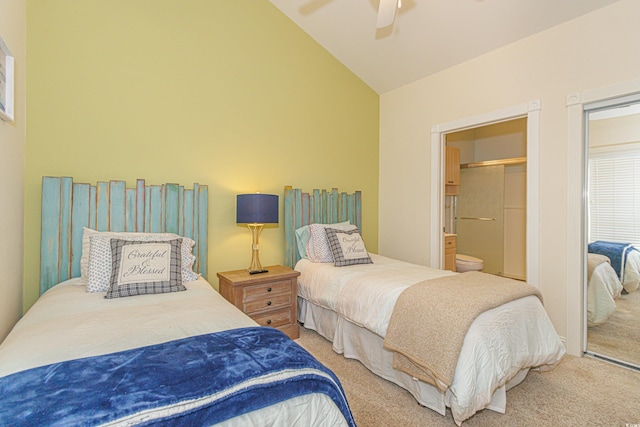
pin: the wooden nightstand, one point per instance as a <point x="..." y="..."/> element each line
<point x="271" y="299"/>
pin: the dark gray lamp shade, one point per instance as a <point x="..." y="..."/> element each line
<point x="257" y="209"/>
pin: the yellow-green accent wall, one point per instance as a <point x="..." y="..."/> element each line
<point x="230" y="94"/>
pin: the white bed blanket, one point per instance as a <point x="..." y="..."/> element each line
<point x="71" y="323"/>
<point x="68" y="323"/>
<point x="631" y="278"/>
<point x="499" y="344"/>
<point x="364" y="294"/>
<point x="603" y="289"/>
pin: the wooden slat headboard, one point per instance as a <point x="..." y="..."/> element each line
<point x="68" y="207"/>
<point x="320" y="206"/>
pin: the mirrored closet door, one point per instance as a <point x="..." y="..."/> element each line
<point x="613" y="231"/>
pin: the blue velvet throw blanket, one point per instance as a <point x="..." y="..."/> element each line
<point x="617" y="253"/>
<point x="195" y="381"/>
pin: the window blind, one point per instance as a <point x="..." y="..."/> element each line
<point x="614" y="196"/>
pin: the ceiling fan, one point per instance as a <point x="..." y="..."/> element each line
<point x="387" y="12"/>
<point x="386" y="9"/>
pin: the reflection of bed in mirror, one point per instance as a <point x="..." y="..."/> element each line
<point x="603" y="288"/>
<point x="624" y="259"/>
<point x="631" y="280"/>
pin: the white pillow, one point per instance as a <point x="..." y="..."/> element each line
<point x="99" y="267"/>
<point x="303" y="235"/>
<point x="88" y="232"/>
<point x="318" y="249"/>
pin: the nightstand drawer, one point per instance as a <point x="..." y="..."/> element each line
<point x="268" y="298"/>
<point x="267" y="303"/>
<point x="274" y="318"/>
<point x="267" y="290"/>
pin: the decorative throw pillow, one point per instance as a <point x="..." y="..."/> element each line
<point x="347" y="247"/>
<point x="303" y="235"/>
<point x="145" y="267"/>
<point x="318" y="246"/>
<point x="99" y="271"/>
<point x="188" y="275"/>
<point x="86" y="243"/>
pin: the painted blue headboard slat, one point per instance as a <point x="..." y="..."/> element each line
<point x="102" y="205"/>
<point x="323" y="207"/>
<point x="50" y="235"/>
<point x="117" y="206"/>
<point x="68" y="207"/>
<point x="80" y="218"/>
<point x="172" y="218"/>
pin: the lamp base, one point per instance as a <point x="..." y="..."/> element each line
<point x="255" y="267"/>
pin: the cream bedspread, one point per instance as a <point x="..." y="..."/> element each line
<point x="431" y="319"/>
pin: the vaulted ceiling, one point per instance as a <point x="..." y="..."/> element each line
<point x="427" y="36"/>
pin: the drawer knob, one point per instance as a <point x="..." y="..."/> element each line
<point x="268" y="302"/>
<point x="268" y="289"/>
<point x="269" y="322"/>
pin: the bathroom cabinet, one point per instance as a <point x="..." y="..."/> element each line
<point x="452" y="171"/>
<point x="450" y="252"/>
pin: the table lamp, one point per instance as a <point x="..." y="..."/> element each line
<point x="255" y="210"/>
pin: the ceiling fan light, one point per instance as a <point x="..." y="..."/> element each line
<point x="386" y="12"/>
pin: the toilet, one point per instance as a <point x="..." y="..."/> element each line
<point x="468" y="263"/>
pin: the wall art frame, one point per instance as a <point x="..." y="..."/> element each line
<point x="6" y="82"/>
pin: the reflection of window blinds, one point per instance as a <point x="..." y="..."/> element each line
<point x="614" y="196"/>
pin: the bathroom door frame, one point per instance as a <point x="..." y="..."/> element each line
<point x="531" y="111"/>
<point x="577" y="103"/>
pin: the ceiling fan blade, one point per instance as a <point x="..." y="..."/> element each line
<point x="386" y="13"/>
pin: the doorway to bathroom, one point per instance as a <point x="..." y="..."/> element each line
<point x="486" y="212"/>
<point x="529" y="111"/>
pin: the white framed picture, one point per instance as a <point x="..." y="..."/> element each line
<point x="6" y="82"/>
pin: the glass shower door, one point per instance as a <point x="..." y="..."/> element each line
<point x="480" y="216"/>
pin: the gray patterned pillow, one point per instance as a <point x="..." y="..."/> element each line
<point x="99" y="269"/>
<point x="318" y="249"/>
<point x="347" y="247"/>
<point x="145" y="267"/>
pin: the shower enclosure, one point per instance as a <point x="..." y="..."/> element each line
<point x="480" y="216"/>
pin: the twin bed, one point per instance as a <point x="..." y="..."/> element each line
<point x="353" y="306"/>
<point x="163" y="349"/>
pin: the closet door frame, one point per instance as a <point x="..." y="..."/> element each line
<point x="577" y="104"/>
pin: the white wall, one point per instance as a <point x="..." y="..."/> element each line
<point x="596" y="50"/>
<point x="12" y="148"/>
<point x="619" y="130"/>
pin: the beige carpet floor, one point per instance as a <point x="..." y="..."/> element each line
<point x="578" y="392"/>
<point x="619" y="336"/>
